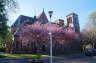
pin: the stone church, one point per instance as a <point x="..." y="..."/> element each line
<point x="72" y="23"/>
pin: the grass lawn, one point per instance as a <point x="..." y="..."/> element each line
<point x="20" y="56"/>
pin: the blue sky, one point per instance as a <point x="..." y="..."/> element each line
<point x="60" y="7"/>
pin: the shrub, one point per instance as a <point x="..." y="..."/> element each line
<point x="2" y="56"/>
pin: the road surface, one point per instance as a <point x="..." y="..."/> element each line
<point x="76" y="58"/>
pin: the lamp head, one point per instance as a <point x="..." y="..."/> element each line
<point x="50" y="13"/>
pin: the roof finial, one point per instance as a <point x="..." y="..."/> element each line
<point x="43" y="9"/>
<point x="34" y="12"/>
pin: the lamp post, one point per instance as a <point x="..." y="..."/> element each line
<point x="50" y="34"/>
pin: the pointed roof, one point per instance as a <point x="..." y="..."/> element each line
<point x="21" y="20"/>
<point x="42" y="17"/>
<point x="24" y="20"/>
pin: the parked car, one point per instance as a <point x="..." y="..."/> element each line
<point x="90" y="52"/>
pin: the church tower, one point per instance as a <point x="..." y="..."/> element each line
<point x="72" y="21"/>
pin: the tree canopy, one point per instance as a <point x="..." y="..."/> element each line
<point x="91" y="23"/>
<point x="38" y="32"/>
<point x="89" y="32"/>
<point x="5" y="5"/>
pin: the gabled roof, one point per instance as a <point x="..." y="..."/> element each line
<point x="25" y="20"/>
<point x="42" y="17"/>
<point x="21" y="22"/>
<point x="21" y="19"/>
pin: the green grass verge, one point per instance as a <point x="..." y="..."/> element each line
<point x="20" y="56"/>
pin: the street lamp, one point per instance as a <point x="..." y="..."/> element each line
<point x="50" y="14"/>
<point x="50" y="34"/>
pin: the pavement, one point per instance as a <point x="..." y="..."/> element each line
<point x="74" y="58"/>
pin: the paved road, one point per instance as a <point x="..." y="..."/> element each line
<point x="9" y="60"/>
<point x="77" y="58"/>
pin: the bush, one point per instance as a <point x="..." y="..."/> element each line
<point x="2" y="49"/>
<point x="36" y="58"/>
<point x="2" y="56"/>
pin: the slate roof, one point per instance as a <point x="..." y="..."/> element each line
<point x="42" y="18"/>
<point x="21" y="19"/>
<point x="26" y="20"/>
<point x="30" y="20"/>
<point x="21" y="22"/>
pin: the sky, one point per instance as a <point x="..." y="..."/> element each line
<point x="60" y="9"/>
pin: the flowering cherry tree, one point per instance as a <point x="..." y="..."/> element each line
<point x="35" y="37"/>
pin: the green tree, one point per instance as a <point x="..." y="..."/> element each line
<point x="5" y="5"/>
<point x="91" y="24"/>
<point x="89" y="33"/>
